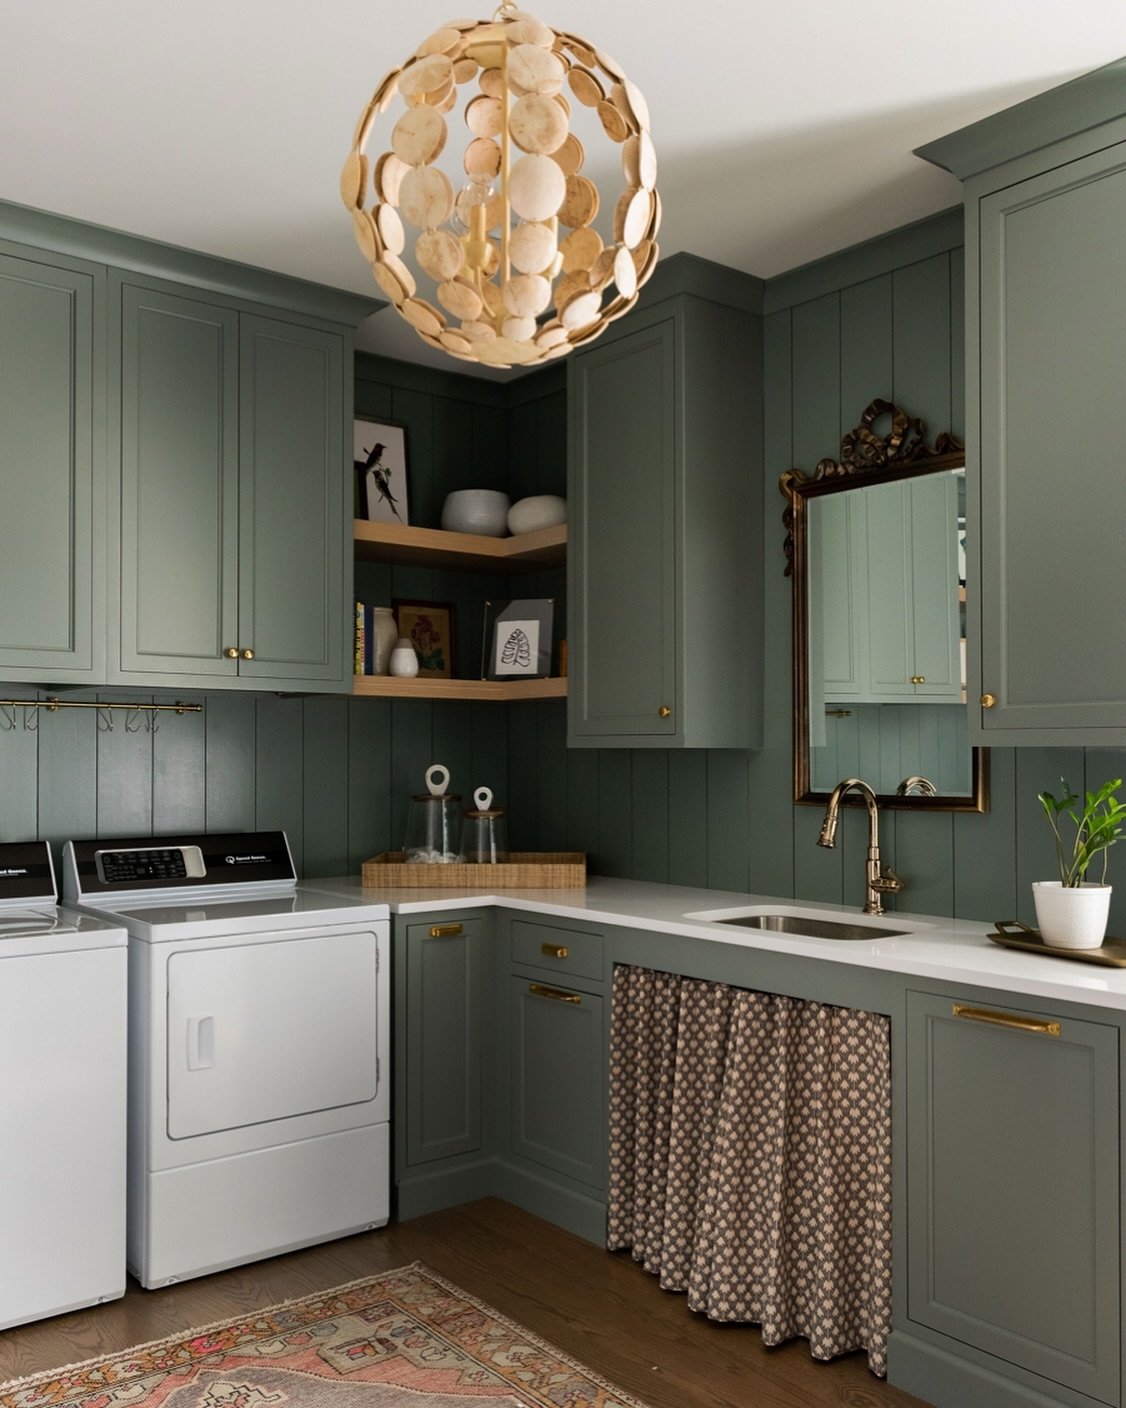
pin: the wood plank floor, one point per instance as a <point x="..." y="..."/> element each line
<point x="597" y="1306"/>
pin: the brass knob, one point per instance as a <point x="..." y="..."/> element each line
<point x="987" y="701"/>
<point x="664" y="711"/>
<point x="918" y="679"/>
<point x="231" y="652"/>
<point x="248" y="654"/>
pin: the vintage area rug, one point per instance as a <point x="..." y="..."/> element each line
<point x="404" y="1339"/>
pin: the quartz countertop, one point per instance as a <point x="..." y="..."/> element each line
<point x="950" y="950"/>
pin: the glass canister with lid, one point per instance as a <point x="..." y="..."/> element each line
<point x="433" y="822"/>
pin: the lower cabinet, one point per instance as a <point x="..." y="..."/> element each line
<point x="439" y="964"/>
<point x="1013" y="1247"/>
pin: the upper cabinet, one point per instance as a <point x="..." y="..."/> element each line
<point x="1045" y="187"/>
<point x="53" y="463"/>
<point x="665" y="500"/>
<point x="231" y="526"/>
<point x="173" y="432"/>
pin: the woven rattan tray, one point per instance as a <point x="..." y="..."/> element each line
<point x="524" y="870"/>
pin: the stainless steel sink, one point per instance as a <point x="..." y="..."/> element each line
<point x="811" y="928"/>
<point x="811" y="922"/>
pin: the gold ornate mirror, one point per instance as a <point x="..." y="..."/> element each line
<point x="876" y="548"/>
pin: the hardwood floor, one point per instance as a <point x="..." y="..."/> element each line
<point x="599" y="1307"/>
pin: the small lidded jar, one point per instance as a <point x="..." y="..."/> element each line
<point x="484" y="836"/>
<point x="432" y="821"/>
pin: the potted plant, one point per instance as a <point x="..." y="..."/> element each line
<point x="1072" y="911"/>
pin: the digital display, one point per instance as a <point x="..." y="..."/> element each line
<point x="119" y="867"/>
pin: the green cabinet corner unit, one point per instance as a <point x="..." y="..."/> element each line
<point x="665" y="500"/>
<point x="177" y="429"/>
<point x="1045" y="189"/>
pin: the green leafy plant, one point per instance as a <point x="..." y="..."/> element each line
<point x="1097" y="826"/>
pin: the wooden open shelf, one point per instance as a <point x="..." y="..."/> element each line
<point x="393" y="687"/>
<point x="434" y="547"/>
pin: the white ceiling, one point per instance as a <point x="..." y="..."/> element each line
<point x="784" y="131"/>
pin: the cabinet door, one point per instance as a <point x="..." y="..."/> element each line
<point x="292" y="511"/>
<point x="1013" y="1240"/>
<point x="622" y="569"/>
<point x="558" y="1080"/>
<point x="443" y="1039"/>
<point x="1052" y="493"/>
<point x="178" y="506"/>
<point x="51" y="530"/>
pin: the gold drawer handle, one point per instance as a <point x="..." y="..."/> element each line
<point x="918" y="679"/>
<point x="445" y="931"/>
<point x="1039" y="1025"/>
<point x="538" y="990"/>
<point x="231" y="652"/>
<point x="987" y="701"/>
<point x="554" y="950"/>
<point x="664" y="711"/>
<point x="248" y="654"/>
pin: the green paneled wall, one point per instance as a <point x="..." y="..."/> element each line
<point x="885" y="320"/>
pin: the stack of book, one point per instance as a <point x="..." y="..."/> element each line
<point x="364" y="641"/>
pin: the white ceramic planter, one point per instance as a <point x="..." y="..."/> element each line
<point x="483" y="511"/>
<point x="1071" y="916"/>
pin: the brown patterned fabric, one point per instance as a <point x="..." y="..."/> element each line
<point x="750" y="1157"/>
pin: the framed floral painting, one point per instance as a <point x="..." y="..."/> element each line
<point x="429" y="626"/>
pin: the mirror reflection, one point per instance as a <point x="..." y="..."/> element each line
<point x="878" y="555"/>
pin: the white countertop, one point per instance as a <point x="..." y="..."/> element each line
<point x="951" y="950"/>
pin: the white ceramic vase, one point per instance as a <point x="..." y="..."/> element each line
<point x="386" y="633"/>
<point x="482" y="511"/>
<point x="1071" y="916"/>
<point x="404" y="660"/>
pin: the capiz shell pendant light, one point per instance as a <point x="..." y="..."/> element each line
<point x="518" y="270"/>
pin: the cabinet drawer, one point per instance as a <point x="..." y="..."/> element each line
<point x="563" y="951"/>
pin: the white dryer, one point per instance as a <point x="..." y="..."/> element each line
<point x="259" y="1053"/>
<point x="62" y="1097"/>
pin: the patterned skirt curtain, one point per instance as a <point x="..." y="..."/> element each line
<point x="750" y="1157"/>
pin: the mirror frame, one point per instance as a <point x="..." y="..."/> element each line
<point x="865" y="458"/>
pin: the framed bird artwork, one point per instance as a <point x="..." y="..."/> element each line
<point x="379" y="457"/>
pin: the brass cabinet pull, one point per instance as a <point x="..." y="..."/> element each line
<point x="664" y="711"/>
<point x="445" y="931"/>
<point x="248" y="654"/>
<point x="918" y="679"/>
<point x="1041" y="1026"/>
<point x="554" y="950"/>
<point x="538" y="990"/>
<point x="987" y="701"/>
<point x="231" y="652"/>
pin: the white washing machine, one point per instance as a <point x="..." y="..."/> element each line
<point x="62" y="1097"/>
<point x="259" y="1052"/>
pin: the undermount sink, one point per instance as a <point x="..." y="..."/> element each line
<point x="809" y="924"/>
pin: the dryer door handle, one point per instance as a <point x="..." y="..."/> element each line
<point x="201" y="1043"/>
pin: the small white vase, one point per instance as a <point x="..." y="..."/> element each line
<point x="386" y="634"/>
<point x="403" y="661"/>
<point x="1071" y="916"/>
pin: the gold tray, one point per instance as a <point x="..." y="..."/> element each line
<point x="1111" y="955"/>
<point x="524" y="870"/>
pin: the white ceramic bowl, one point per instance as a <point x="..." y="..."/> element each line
<point x="483" y="511"/>
<point x="539" y="511"/>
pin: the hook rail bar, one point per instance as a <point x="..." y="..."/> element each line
<point x="51" y="705"/>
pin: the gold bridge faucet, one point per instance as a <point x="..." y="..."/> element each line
<point x="877" y="880"/>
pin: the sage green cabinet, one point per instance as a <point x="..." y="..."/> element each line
<point x="52" y="367"/>
<point x="231" y="527"/>
<point x="1013" y="1247"/>
<point x="1046" y="341"/>
<point x="442" y="960"/>
<point x="664" y="555"/>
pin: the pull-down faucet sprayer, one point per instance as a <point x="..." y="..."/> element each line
<point x="877" y="880"/>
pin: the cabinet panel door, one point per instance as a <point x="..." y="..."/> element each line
<point x="443" y="1057"/>
<point x="559" y="1080"/>
<point x="179" y="485"/>
<point x="293" y="529"/>
<point x="1053" y="340"/>
<point x="1013" y="1190"/>
<point x="50" y="534"/>
<point x="622" y="552"/>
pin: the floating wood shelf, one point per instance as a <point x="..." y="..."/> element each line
<point x="394" y="687"/>
<point x="434" y="547"/>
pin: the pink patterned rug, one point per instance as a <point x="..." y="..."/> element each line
<point x="405" y="1339"/>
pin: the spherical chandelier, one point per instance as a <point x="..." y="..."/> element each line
<point x="514" y="270"/>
